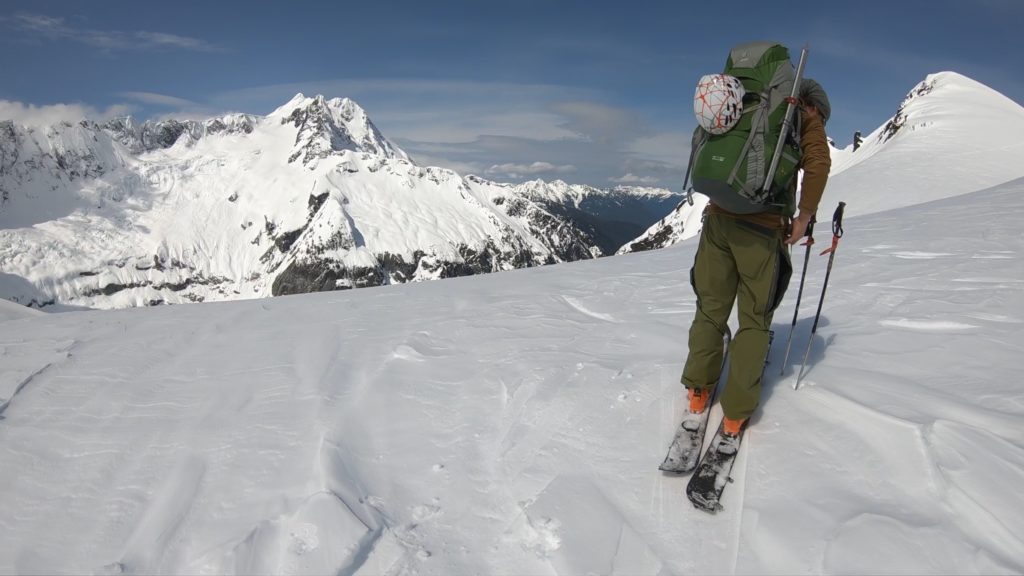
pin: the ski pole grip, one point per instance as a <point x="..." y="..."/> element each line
<point x="810" y="226"/>
<point x="837" y="220"/>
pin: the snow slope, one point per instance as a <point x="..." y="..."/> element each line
<point x="950" y="136"/>
<point x="11" y="311"/>
<point x="513" y="423"/>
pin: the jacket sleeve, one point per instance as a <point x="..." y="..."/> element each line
<point x="816" y="162"/>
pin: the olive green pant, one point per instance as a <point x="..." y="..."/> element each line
<point x="743" y="262"/>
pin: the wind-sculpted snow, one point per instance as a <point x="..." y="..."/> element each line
<point x="514" y="423"/>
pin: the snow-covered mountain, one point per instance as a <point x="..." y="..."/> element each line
<point x="310" y="197"/>
<point x="949" y="136"/>
<point x="151" y="136"/>
<point x="610" y="216"/>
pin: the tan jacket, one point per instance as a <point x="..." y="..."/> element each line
<point x="816" y="164"/>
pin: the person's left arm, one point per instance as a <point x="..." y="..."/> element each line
<point x="816" y="164"/>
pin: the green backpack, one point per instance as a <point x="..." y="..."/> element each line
<point x="731" y="168"/>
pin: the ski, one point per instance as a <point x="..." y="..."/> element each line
<point x="708" y="482"/>
<point x="685" y="448"/>
<point x="684" y="452"/>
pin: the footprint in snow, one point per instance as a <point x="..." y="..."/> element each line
<point x="425" y="512"/>
<point x="304" y="539"/>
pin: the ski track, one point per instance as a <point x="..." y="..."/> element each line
<point x="25" y="362"/>
<point x="578" y="306"/>
<point x="163" y="516"/>
<point x="18" y="388"/>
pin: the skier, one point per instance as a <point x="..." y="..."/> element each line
<point x="745" y="258"/>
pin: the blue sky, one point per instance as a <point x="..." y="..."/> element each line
<point x="590" y="92"/>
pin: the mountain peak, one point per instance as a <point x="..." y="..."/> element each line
<point x="298" y="101"/>
<point x="344" y="107"/>
<point x="330" y="126"/>
<point x="942" y="96"/>
<point x="951" y="79"/>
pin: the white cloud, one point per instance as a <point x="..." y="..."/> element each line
<point x="161" y="39"/>
<point x="175" y="108"/>
<point x="435" y="90"/>
<point x="517" y="170"/>
<point x="434" y="111"/>
<point x="631" y="178"/>
<point x="38" y="116"/>
<point x="158" y="99"/>
<point x="57" y="28"/>
<point x="37" y="23"/>
<point x="599" y="122"/>
<point x="470" y="125"/>
<point x="654" y="167"/>
<point x="461" y="168"/>
<point x="454" y="126"/>
<point x="667" y="147"/>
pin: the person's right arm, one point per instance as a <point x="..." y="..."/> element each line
<point x="816" y="164"/>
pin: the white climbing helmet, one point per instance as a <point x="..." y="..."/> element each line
<point x="718" y="102"/>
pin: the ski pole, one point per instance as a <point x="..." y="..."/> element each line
<point x="837" y="233"/>
<point x="800" y="292"/>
